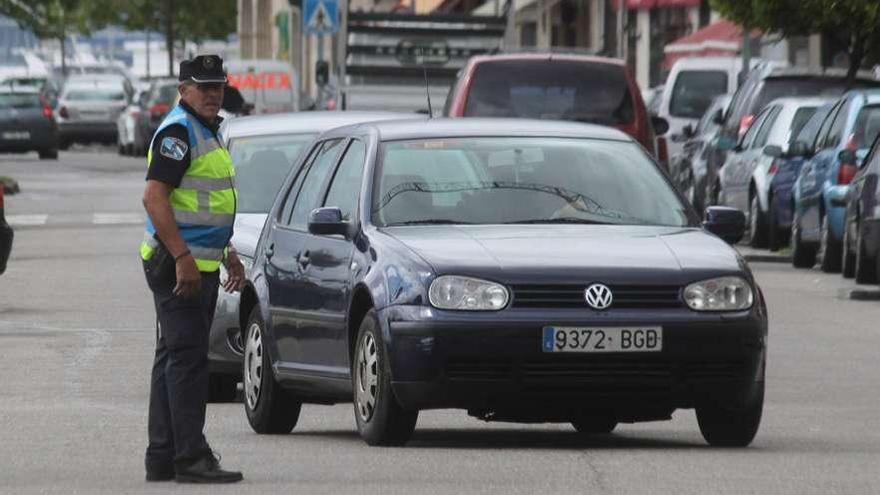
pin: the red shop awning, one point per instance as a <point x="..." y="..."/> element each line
<point x="722" y="38"/>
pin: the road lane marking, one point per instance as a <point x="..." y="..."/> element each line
<point x="24" y="220"/>
<point x="117" y="218"/>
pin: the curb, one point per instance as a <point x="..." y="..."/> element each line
<point x="10" y="185"/>
<point x="864" y="295"/>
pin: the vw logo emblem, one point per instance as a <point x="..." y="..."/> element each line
<point x="598" y="296"/>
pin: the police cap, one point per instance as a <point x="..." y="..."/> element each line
<point x="203" y="69"/>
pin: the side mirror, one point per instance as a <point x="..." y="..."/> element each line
<point x="660" y="125"/>
<point x="328" y="221"/>
<point x="718" y="117"/>
<point x="727" y="223"/>
<point x="773" y="150"/>
<point x="689" y="131"/>
<point x="848" y="157"/>
<point x="798" y="149"/>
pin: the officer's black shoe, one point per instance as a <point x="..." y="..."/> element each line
<point x="206" y="470"/>
<point x="160" y="471"/>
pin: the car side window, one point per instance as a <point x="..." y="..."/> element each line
<point x="750" y="134"/>
<point x="345" y="188"/>
<point x="836" y="131"/>
<point x="313" y="183"/>
<point x="766" y="127"/>
<point x="873" y="159"/>
<point x="295" y="186"/>
<point x="826" y="126"/>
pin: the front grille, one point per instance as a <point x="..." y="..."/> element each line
<point x="572" y="296"/>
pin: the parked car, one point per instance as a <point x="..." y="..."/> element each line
<point x="6" y="235"/>
<point x="688" y="167"/>
<point x="746" y="175"/>
<point x="788" y="167"/>
<point x="397" y="270"/>
<point x="861" y="235"/>
<point x="88" y="109"/>
<point x="27" y="123"/>
<point x="765" y="83"/>
<point x="821" y="187"/>
<point x="154" y="106"/>
<point x="263" y="149"/>
<point x="692" y="85"/>
<point x="554" y="86"/>
<point x="126" y="123"/>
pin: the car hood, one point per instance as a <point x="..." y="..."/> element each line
<point x="572" y="253"/>
<point x="246" y="232"/>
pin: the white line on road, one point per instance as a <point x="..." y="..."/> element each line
<point x="21" y="220"/>
<point x="117" y="218"/>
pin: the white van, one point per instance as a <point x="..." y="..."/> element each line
<point x="271" y="86"/>
<point x="690" y="88"/>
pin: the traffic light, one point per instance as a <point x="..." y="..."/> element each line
<point x="322" y="72"/>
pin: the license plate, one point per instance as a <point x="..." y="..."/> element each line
<point x="603" y="339"/>
<point x="16" y="135"/>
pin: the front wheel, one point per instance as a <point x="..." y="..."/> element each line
<point x="48" y="154"/>
<point x="269" y="407"/>
<point x="724" y="426"/>
<point x="380" y="418"/>
<point x="594" y="425"/>
<point x="848" y="257"/>
<point x="757" y="224"/>
<point x="802" y="255"/>
<point x="865" y="271"/>
<point x="775" y="235"/>
<point x="829" y="249"/>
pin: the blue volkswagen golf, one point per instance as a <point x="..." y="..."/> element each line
<point x="524" y="271"/>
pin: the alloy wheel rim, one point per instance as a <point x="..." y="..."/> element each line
<point x="253" y="366"/>
<point x="367" y="377"/>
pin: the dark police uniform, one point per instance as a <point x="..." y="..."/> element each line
<point x="187" y="154"/>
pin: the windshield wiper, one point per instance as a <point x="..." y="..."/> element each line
<point x="561" y="220"/>
<point x="427" y="221"/>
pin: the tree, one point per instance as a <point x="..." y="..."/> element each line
<point x="854" y="24"/>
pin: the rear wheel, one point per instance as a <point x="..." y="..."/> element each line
<point x="48" y="154"/>
<point x="269" y="407"/>
<point x="802" y="255"/>
<point x="732" y="426"/>
<point x="775" y="235"/>
<point x="380" y="418"/>
<point x="594" y="425"/>
<point x="829" y="249"/>
<point x="865" y="270"/>
<point x="757" y="224"/>
<point x="848" y="257"/>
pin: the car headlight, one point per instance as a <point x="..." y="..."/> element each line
<point x="472" y="294"/>
<point x="719" y="294"/>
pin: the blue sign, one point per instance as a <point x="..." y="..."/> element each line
<point x="320" y="16"/>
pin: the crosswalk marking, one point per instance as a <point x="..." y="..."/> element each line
<point x="23" y="220"/>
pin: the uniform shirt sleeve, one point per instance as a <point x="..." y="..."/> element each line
<point x="170" y="156"/>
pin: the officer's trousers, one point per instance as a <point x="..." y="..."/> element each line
<point x="179" y="384"/>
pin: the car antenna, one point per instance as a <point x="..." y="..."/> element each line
<point x="427" y="87"/>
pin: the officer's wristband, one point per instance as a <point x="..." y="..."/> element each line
<point x="181" y="255"/>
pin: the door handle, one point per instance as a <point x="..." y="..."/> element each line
<point x="270" y="251"/>
<point x="304" y="260"/>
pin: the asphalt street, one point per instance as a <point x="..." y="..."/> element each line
<point x="76" y="331"/>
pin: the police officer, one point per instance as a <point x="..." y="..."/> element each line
<point x="190" y="198"/>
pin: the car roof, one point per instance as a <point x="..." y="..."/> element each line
<point x="546" y="56"/>
<point x="794" y="72"/>
<point x="302" y="122"/>
<point x="394" y="130"/>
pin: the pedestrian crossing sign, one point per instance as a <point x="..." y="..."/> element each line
<point x="320" y="16"/>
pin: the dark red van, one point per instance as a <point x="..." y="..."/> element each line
<point x="553" y="86"/>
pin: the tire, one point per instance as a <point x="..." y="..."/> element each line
<point x="775" y="235"/>
<point x="269" y="407"/>
<point x="848" y="258"/>
<point x="757" y="224"/>
<point x="594" y="425"/>
<point x="723" y="426"/>
<point x="829" y="250"/>
<point x="802" y="255"/>
<point x="380" y="418"/>
<point x="222" y="388"/>
<point x="865" y="270"/>
<point x="64" y="144"/>
<point x="120" y="149"/>
<point x="48" y="154"/>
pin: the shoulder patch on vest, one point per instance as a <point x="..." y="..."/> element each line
<point x="173" y="148"/>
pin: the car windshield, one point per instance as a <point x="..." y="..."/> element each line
<point x="541" y="89"/>
<point x="521" y="180"/>
<point x="261" y="164"/>
<point x="96" y="94"/>
<point x="168" y="94"/>
<point x="19" y="100"/>
<point x="867" y="126"/>
<point x="694" y="91"/>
